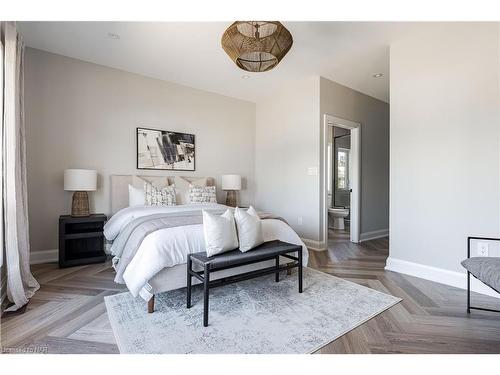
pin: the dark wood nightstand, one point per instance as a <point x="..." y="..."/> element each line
<point x="81" y="240"/>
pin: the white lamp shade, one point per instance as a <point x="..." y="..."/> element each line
<point x="231" y="182"/>
<point x="80" y="180"/>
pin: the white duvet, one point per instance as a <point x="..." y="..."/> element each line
<point x="169" y="247"/>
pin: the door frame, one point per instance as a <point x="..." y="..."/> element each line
<point x="354" y="174"/>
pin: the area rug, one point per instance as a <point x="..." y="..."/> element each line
<point x="252" y="316"/>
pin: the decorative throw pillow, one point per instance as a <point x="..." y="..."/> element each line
<point x="249" y="228"/>
<point x="182" y="187"/>
<point x="207" y="194"/>
<point x="220" y="232"/>
<point x="136" y="196"/>
<point x="155" y="196"/>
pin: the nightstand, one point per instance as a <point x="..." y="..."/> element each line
<point x="81" y="240"/>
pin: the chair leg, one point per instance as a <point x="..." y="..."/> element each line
<point x="189" y="278"/>
<point x="206" y="282"/>
<point x="151" y="304"/>
<point x="300" y="270"/>
<point x="468" y="292"/>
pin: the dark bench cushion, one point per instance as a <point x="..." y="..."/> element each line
<point x="235" y="257"/>
<point x="486" y="269"/>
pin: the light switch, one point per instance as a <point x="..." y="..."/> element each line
<point x="312" y="171"/>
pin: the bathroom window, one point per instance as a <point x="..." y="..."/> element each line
<point x="342" y="168"/>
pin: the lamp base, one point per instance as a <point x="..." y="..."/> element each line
<point x="80" y="204"/>
<point x="231" y="198"/>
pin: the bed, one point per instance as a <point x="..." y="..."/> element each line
<point x="150" y="244"/>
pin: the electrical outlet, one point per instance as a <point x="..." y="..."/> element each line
<point x="482" y="249"/>
<point x="299" y="220"/>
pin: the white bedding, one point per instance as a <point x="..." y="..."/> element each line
<point x="169" y="247"/>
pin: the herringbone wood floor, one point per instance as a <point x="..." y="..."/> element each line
<point x="68" y="314"/>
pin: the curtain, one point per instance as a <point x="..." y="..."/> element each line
<point x="21" y="285"/>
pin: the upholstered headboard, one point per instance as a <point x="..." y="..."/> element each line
<point x="119" y="189"/>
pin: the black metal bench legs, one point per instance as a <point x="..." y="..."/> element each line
<point x="206" y="289"/>
<point x="300" y="270"/>
<point x="206" y="284"/>
<point x="270" y="251"/>
<point x="189" y="278"/>
<point x="277" y="267"/>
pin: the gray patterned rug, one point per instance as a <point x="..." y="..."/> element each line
<point x="252" y="316"/>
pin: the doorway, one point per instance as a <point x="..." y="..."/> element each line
<point x="341" y="187"/>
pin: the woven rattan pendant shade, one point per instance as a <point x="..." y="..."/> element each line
<point x="256" y="46"/>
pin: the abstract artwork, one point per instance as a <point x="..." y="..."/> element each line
<point x="165" y="150"/>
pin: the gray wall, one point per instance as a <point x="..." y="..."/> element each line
<point x="289" y="135"/>
<point x="373" y="115"/>
<point x="287" y="144"/>
<point x="445" y="121"/>
<point x="82" y="115"/>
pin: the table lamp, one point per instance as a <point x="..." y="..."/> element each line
<point x="231" y="183"/>
<point x="80" y="181"/>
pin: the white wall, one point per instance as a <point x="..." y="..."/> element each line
<point x="82" y="115"/>
<point x="444" y="149"/>
<point x="287" y="144"/>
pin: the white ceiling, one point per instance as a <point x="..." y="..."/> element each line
<point x="190" y="53"/>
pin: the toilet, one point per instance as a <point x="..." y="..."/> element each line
<point x="337" y="215"/>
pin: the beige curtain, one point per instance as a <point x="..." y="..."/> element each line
<point x="21" y="285"/>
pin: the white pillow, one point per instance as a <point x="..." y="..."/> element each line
<point x="182" y="187"/>
<point x="136" y="196"/>
<point x="220" y="232"/>
<point x="249" y="228"/>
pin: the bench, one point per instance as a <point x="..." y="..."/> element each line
<point x="235" y="258"/>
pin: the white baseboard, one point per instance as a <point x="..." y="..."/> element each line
<point x="373" y="235"/>
<point x="438" y="275"/>
<point x="314" y="245"/>
<point x="44" y="256"/>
